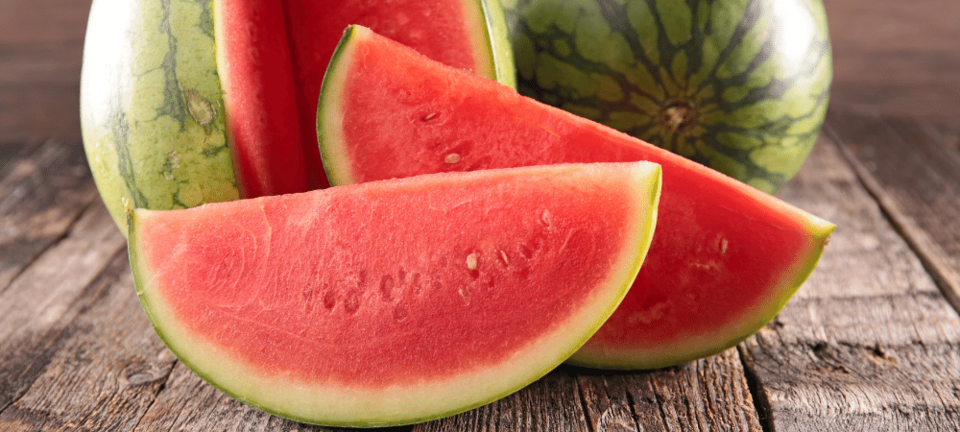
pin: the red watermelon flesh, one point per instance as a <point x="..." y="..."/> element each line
<point x="273" y="54"/>
<point x="396" y="301"/>
<point x="725" y="259"/>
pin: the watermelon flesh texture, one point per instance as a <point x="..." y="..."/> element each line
<point x="272" y="55"/>
<point x="725" y="259"/>
<point x="397" y="301"/>
<point x="254" y="55"/>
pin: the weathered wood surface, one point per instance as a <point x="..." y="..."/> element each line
<point x="869" y="343"/>
<point x="912" y="168"/>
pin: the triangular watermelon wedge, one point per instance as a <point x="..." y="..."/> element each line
<point x="398" y="301"/>
<point x="726" y="257"/>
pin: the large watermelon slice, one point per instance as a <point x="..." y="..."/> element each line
<point x="188" y="102"/>
<point x="725" y="259"/>
<point x="397" y="301"/>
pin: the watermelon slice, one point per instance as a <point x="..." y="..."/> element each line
<point x="397" y="301"/>
<point x="271" y="55"/>
<point x="726" y="257"/>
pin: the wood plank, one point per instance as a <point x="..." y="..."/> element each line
<point x="103" y="370"/>
<point x="912" y="168"/>
<point x="708" y="394"/>
<point x="43" y="300"/>
<point x="549" y="404"/>
<point x="869" y="342"/>
<point x="42" y="193"/>
<point x="187" y="403"/>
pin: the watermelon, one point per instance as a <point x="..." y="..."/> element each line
<point x="725" y="259"/>
<point x="738" y="85"/>
<point x="188" y="102"/>
<point x="397" y="301"/>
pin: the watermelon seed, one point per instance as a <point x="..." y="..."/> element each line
<point x="352" y="302"/>
<point x="429" y="116"/>
<point x="472" y="261"/>
<point x="386" y="287"/>
<point x="400" y="313"/>
<point x="504" y="256"/>
<point x="545" y="218"/>
<point x="329" y="299"/>
<point x="415" y="287"/>
<point x="452" y="158"/>
<point x="723" y="245"/>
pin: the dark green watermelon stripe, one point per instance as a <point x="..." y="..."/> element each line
<point x="176" y="106"/>
<point x="125" y="161"/>
<point x="682" y="73"/>
<point x="173" y="103"/>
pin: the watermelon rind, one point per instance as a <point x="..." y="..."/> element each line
<point x="496" y="39"/>
<point x="723" y="338"/>
<point x="336" y="405"/>
<point x="152" y="107"/>
<point x="717" y="297"/>
<point x="336" y="163"/>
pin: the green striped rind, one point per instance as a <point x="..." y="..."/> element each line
<point x="232" y="376"/>
<point x="336" y="163"/>
<point x="723" y="338"/>
<point x="756" y="74"/>
<point x="151" y="107"/>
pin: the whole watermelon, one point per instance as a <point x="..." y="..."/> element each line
<point x="738" y="85"/>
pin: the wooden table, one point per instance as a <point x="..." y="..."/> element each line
<point x="871" y="341"/>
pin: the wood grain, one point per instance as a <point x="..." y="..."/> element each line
<point x="105" y="368"/>
<point x="912" y="169"/>
<point x="869" y="342"/>
<point x="552" y="403"/>
<point x="41" y="195"/>
<point x="708" y="394"/>
<point x="42" y="301"/>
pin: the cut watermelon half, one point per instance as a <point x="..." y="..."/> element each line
<point x="398" y="301"/>
<point x="725" y="259"/>
<point x="271" y="56"/>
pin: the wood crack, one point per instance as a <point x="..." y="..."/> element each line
<point x="156" y="395"/>
<point x="52" y="244"/>
<point x="633" y="411"/>
<point x="49" y="343"/>
<point x="761" y="403"/>
<point x="584" y="407"/>
<point x="902" y="224"/>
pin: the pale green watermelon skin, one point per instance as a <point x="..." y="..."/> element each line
<point x="741" y="86"/>
<point x="151" y="107"/>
